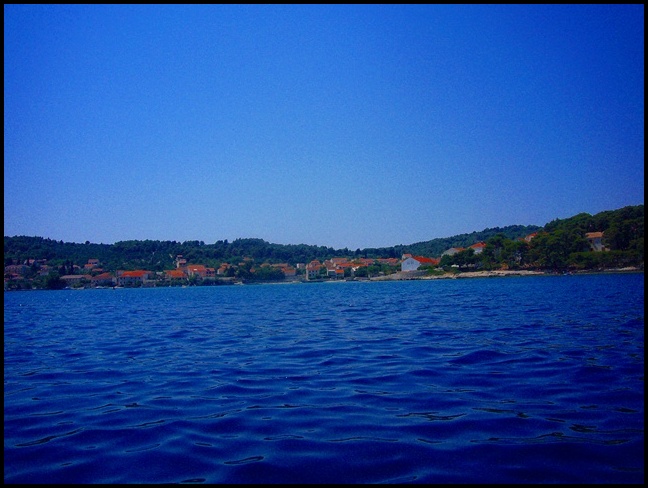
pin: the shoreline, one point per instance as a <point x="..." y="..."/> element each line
<point x="417" y="275"/>
<point x="399" y="276"/>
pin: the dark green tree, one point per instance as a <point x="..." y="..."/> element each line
<point x="54" y="281"/>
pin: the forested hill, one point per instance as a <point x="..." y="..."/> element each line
<point x="435" y="247"/>
<point x="623" y="229"/>
<point x="158" y="255"/>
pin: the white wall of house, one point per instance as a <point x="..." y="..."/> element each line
<point x="409" y="264"/>
<point x="596" y="244"/>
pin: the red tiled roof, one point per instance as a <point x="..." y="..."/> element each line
<point x="175" y="273"/>
<point x="135" y="274"/>
<point x="103" y="276"/>
<point x="423" y="259"/>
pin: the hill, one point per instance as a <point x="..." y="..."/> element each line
<point x="623" y="230"/>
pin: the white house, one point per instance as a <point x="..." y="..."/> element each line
<point x="412" y="263"/>
<point x="131" y="277"/>
<point x="312" y="269"/>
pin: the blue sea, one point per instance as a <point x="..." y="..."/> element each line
<point x="488" y="380"/>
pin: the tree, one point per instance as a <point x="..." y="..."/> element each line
<point x="465" y="258"/>
<point x="491" y="255"/>
<point x="54" y="281"/>
<point x="361" y="272"/>
<point x="514" y="253"/>
<point x="268" y="273"/>
<point x="446" y="260"/>
<point x="373" y="270"/>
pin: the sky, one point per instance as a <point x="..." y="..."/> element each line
<point x="352" y="126"/>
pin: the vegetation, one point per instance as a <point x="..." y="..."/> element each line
<point x="435" y="247"/>
<point x="562" y="245"/>
<point x="160" y="255"/>
<point x="559" y="245"/>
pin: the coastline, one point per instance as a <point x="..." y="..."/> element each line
<point x="418" y="275"/>
<point x="402" y="276"/>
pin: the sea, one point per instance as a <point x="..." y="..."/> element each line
<point x="534" y="379"/>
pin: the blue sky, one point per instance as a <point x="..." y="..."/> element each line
<point x="339" y="125"/>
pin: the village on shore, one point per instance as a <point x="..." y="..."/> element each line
<point x="409" y="267"/>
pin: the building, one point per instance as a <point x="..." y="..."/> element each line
<point x="452" y="251"/>
<point x="103" y="279"/>
<point x="175" y="274"/>
<point x="17" y="269"/>
<point x="76" y="279"/>
<point x="222" y="271"/>
<point x="126" y="278"/>
<point x="313" y="269"/>
<point x="196" y="270"/>
<point x="286" y="269"/>
<point x="412" y="263"/>
<point x="478" y="247"/>
<point x="595" y="240"/>
<point x="180" y="261"/>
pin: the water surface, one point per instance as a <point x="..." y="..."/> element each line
<point x="501" y="380"/>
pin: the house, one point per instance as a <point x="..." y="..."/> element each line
<point x="478" y="247"/>
<point x="334" y="272"/>
<point x="17" y="269"/>
<point x="103" y="279"/>
<point x="175" y="274"/>
<point x="289" y="271"/>
<point x="286" y="269"/>
<point x="312" y="269"/>
<point x="93" y="266"/>
<point x="180" y="261"/>
<point x="44" y="270"/>
<point x="71" y="280"/>
<point x="452" y="251"/>
<point x="126" y="278"/>
<point x="595" y="240"/>
<point x="197" y="270"/>
<point x="412" y="263"/>
<point x="530" y="236"/>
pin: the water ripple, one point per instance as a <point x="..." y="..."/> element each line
<point x="530" y="380"/>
